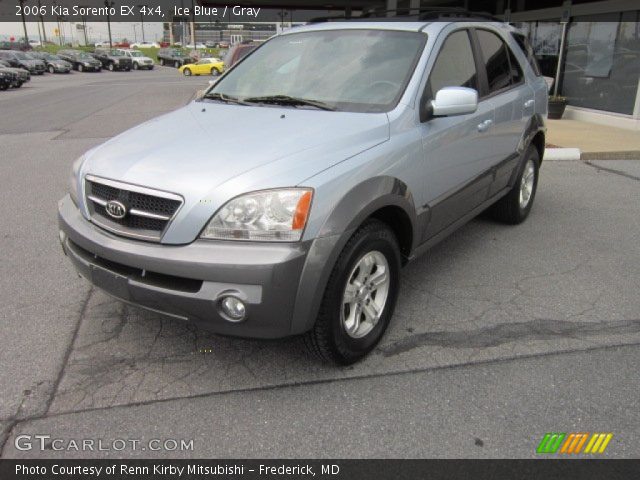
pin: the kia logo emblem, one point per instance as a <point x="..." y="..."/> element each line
<point x="115" y="209"/>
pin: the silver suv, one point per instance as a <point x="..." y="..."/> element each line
<point x="342" y="151"/>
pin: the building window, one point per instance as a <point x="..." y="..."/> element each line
<point x="602" y="64"/>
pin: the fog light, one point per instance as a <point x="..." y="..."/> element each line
<point x="233" y="308"/>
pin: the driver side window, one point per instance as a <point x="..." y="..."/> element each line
<point x="455" y="65"/>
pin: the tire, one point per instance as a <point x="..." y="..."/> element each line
<point x="176" y="64"/>
<point x="162" y="62"/>
<point x="214" y="72"/>
<point x="330" y="338"/>
<point x="80" y="68"/>
<point x="4" y="86"/>
<point x="186" y="72"/>
<point x="136" y="66"/>
<point x="51" y="69"/>
<point x="512" y="209"/>
<point x="111" y="67"/>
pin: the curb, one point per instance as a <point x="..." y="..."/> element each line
<point x="621" y="155"/>
<point x="562" y="154"/>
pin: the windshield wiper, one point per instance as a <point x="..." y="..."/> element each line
<point x="223" y="98"/>
<point x="287" y="100"/>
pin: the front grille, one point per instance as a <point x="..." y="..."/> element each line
<point x="148" y="212"/>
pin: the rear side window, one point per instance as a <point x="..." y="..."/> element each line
<point x="455" y="66"/>
<point x="496" y="60"/>
<point x="524" y="44"/>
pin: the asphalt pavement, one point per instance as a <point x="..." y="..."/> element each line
<point x="500" y="334"/>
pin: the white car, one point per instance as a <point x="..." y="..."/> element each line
<point x="101" y="44"/>
<point x="145" y="45"/>
<point x="197" y="45"/>
<point x="35" y="43"/>
<point x="138" y="58"/>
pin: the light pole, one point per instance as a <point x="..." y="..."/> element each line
<point x="109" y="5"/>
<point x="142" y="20"/>
<point x="44" y="33"/>
<point x="135" y="33"/>
<point x="24" y="22"/>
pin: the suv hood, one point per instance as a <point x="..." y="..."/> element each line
<point x="210" y="152"/>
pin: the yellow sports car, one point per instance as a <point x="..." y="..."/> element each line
<point x="205" y="66"/>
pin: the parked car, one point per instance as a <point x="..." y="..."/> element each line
<point x="81" y="61"/>
<point x="102" y="45"/>
<point x="138" y="59"/>
<point x="320" y="188"/>
<point x="7" y="79"/>
<point x="21" y="46"/>
<point x="173" y="57"/>
<point x="192" y="46"/>
<point x="54" y="63"/>
<point x="205" y="66"/>
<point x="145" y="45"/>
<point x="113" y="59"/>
<point x="21" y="77"/>
<point x="18" y="59"/>
<point x="237" y="52"/>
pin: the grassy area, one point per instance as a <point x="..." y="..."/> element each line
<point x="149" y="52"/>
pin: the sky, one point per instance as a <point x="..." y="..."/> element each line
<point x="96" y="31"/>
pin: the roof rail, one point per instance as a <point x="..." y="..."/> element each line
<point x="431" y="13"/>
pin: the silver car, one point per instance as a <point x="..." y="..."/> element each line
<point x="343" y="151"/>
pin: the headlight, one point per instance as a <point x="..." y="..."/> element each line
<point x="74" y="180"/>
<point x="269" y="215"/>
<point x="86" y="64"/>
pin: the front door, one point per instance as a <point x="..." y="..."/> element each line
<point x="457" y="148"/>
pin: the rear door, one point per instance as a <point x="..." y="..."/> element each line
<point x="512" y="98"/>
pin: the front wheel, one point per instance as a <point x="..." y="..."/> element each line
<point x="515" y="206"/>
<point x="176" y="64"/>
<point x="136" y="66"/>
<point x="80" y="68"/>
<point x="111" y="67"/>
<point x="360" y="296"/>
<point x="214" y="72"/>
<point x="186" y="72"/>
<point x="51" y="69"/>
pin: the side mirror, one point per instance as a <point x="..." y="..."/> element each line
<point x="454" y="101"/>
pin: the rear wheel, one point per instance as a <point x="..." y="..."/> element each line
<point x="514" y="207"/>
<point x="360" y="296"/>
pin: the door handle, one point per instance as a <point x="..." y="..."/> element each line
<point x="484" y="126"/>
<point x="529" y="103"/>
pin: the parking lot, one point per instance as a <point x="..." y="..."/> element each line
<point x="500" y="334"/>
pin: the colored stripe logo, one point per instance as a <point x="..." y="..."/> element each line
<point x="573" y="443"/>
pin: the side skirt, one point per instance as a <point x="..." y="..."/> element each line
<point x="458" y="223"/>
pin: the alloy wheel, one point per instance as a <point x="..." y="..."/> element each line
<point x="365" y="294"/>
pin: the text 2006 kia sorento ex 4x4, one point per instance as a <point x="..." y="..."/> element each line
<point x="285" y="200"/>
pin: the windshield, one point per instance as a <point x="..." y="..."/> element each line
<point x="23" y="56"/>
<point x="349" y="70"/>
<point x="116" y="53"/>
<point x="85" y="56"/>
<point x="52" y="57"/>
<point x="136" y="54"/>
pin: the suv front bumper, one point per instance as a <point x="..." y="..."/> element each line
<point x="188" y="281"/>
